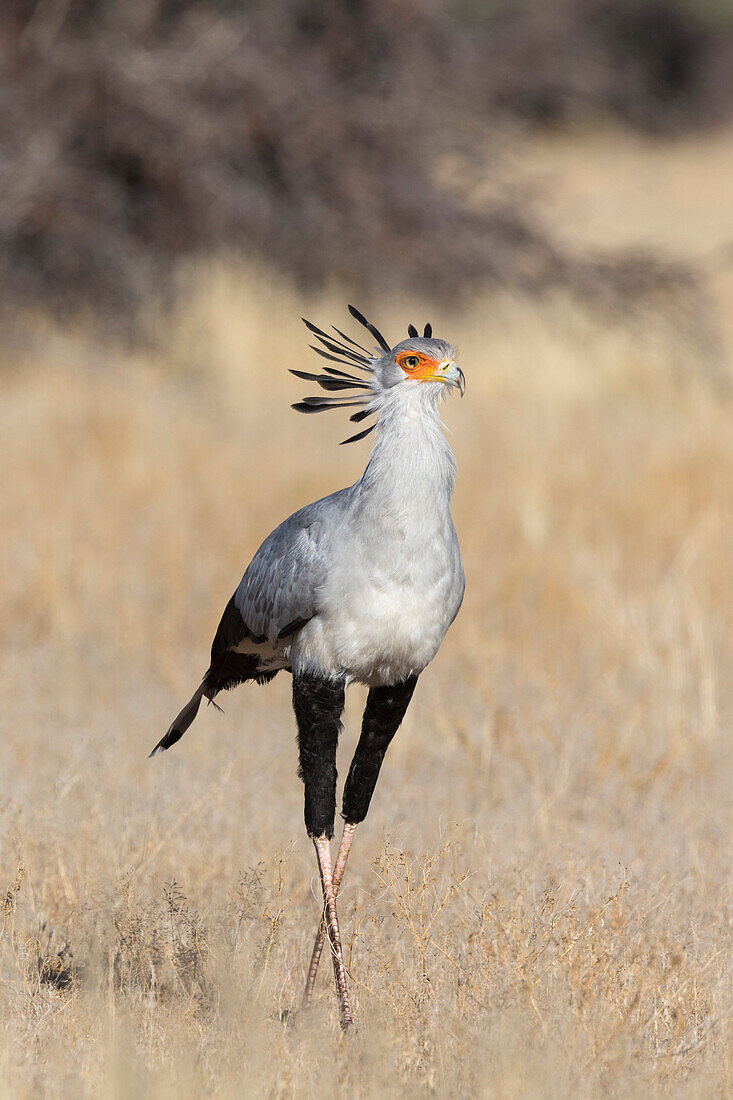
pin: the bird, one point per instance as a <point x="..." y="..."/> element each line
<point x="358" y="587"/>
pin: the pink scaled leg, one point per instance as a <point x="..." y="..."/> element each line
<point x="329" y="921"/>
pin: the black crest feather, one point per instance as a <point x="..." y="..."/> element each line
<point x="358" y="436"/>
<point x="343" y="350"/>
<point x="345" y="354"/>
<point x="328" y="383"/>
<point x="372" y="328"/>
<point x="411" y="331"/>
<point x="428" y="331"/>
<point x="345" y="337"/>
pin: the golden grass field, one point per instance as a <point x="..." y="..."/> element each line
<point x="539" y="904"/>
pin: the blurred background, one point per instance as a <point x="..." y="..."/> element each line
<point x="540" y="899"/>
<point x="370" y="143"/>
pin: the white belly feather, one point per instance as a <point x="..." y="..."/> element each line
<point x="383" y="618"/>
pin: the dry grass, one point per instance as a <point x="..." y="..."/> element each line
<point x="539" y="903"/>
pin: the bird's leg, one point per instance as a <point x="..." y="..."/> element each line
<point x="383" y="713"/>
<point x="338" y="873"/>
<point x="318" y="703"/>
<point x="385" y="709"/>
<point x="330" y="917"/>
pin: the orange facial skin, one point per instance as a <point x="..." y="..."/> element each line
<point x="426" y="370"/>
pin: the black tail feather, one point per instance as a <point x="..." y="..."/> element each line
<point x="180" y="724"/>
<point x="227" y="670"/>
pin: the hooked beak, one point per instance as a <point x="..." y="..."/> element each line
<point x="452" y="375"/>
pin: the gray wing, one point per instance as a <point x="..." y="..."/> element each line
<point x="280" y="589"/>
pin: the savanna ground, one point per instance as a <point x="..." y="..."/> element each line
<point x="539" y="903"/>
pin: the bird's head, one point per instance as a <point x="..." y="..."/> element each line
<point x="419" y="360"/>
<point x="422" y="361"/>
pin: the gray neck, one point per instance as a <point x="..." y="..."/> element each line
<point x="411" y="466"/>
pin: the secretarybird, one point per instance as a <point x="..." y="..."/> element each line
<point x="359" y="587"/>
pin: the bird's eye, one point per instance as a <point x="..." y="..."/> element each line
<point x="411" y="361"/>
